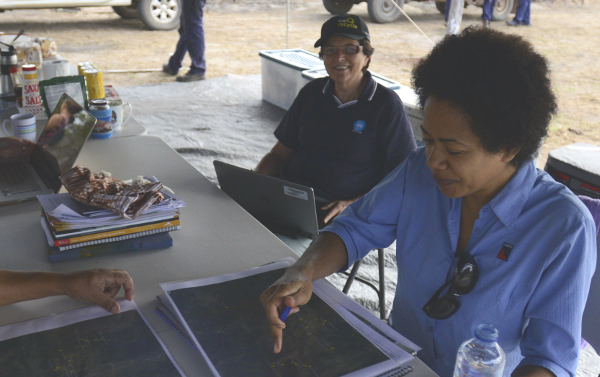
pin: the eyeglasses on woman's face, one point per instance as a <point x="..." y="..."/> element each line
<point x="465" y="276"/>
<point x="350" y="49"/>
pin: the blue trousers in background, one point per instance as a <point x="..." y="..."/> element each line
<point x="523" y="12"/>
<point x="488" y="8"/>
<point x="191" y="37"/>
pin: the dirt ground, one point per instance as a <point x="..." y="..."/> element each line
<point x="236" y="30"/>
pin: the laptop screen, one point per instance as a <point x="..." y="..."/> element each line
<point x="66" y="131"/>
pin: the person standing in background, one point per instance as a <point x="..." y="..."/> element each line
<point x="191" y="40"/>
<point x="522" y="14"/>
<point x="454" y="12"/>
<point x="488" y="9"/>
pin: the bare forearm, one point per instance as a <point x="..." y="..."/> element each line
<point x="23" y="286"/>
<point x="326" y="255"/>
<point x="270" y="165"/>
<point x="532" y="371"/>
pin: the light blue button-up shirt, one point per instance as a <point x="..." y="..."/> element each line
<point x="535" y="246"/>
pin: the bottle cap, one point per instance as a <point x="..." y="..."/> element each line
<point x="486" y="333"/>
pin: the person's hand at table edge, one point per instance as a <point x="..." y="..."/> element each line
<point x="97" y="286"/>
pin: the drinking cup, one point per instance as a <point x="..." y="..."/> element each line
<point x="22" y="125"/>
<point x="121" y="112"/>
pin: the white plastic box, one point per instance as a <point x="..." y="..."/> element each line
<point x="281" y="74"/>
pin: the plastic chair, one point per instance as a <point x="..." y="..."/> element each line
<point x="380" y="291"/>
<point x="590" y="329"/>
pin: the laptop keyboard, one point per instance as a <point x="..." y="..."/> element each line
<point x="16" y="178"/>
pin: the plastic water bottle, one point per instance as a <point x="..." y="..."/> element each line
<point x="480" y="356"/>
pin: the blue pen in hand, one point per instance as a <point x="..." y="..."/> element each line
<point x="284" y="313"/>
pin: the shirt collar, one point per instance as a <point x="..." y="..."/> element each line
<point x="509" y="202"/>
<point x="366" y="95"/>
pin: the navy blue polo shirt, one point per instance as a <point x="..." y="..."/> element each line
<point x="343" y="150"/>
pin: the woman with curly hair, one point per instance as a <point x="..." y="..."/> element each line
<point x="482" y="236"/>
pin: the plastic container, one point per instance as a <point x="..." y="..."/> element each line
<point x="281" y="74"/>
<point x="480" y="356"/>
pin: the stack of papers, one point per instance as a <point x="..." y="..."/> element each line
<point x="69" y="224"/>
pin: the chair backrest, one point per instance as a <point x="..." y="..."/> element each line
<point x="590" y="330"/>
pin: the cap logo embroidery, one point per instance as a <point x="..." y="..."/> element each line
<point x="359" y="126"/>
<point x="505" y="252"/>
<point x="347" y="23"/>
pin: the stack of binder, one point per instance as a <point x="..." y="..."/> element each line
<point x="75" y="230"/>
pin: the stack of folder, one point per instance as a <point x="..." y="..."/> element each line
<point x="75" y="230"/>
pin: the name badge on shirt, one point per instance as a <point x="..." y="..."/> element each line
<point x="505" y="252"/>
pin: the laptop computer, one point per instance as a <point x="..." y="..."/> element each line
<point x="283" y="207"/>
<point x="54" y="154"/>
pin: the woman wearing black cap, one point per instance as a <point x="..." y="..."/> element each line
<point x="345" y="132"/>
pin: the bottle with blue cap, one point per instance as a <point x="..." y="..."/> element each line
<point x="480" y="356"/>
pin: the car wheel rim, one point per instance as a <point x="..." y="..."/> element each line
<point x="501" y="6"/>
<point x="163" y="11"/>
<point x="389" y="7"/>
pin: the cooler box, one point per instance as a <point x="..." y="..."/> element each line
<point x="415" y="114"/>
<point x="406" y="94"/>
<point x="577" y="166"/>
<point x="281" y="74"/>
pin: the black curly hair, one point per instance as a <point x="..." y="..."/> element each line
<point x="499" y="81"/>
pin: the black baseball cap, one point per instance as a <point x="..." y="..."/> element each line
<point x="345" y="25"/>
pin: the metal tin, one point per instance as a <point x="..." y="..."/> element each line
<point x="101" y="110"/>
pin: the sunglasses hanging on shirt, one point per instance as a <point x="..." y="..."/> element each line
<point x="465" y="276"/>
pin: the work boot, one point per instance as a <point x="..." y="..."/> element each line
<point x="513" y="23"/>
<point x="486" y="24"/>
<point x="190" y="76"/>
<point x="169" y="71"/>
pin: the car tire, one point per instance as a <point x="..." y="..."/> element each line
<point x="160" y="14"/>
<point x="502" y="10"/>
<point x="129" y="12"/>
<point x="338" y="6"/>
<point x="441" y="6"/>
<point x="383" y="11"/>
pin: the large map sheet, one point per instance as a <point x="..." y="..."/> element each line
<point x="84" y="343"/>
<point x="228" y="325"/>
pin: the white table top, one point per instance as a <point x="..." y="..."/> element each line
<point x="205" y="246"/>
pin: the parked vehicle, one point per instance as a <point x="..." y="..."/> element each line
<point x="155" y="14"/>
<point x="383" y="11"/>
